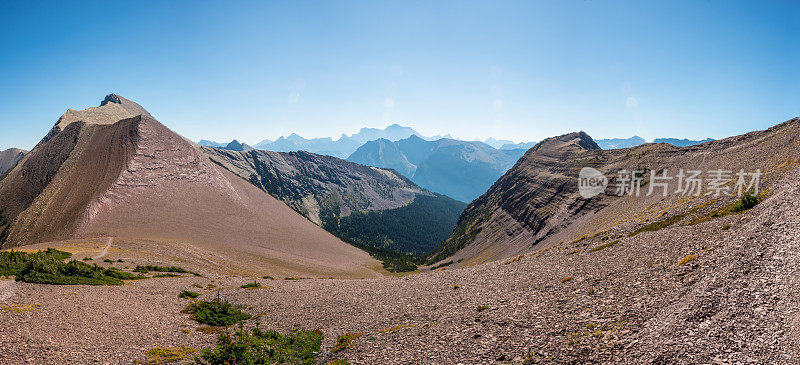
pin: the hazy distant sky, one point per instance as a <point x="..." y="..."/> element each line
<point x="519" y="70"/>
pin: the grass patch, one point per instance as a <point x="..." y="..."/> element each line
<point x="252" y="285"/>
<point x="603" y="246"/>
<point x="162" y="355"/>
<point x="655" y="226"/>
<point x="186" y="294"/>
<point x="19" y="308"/>
<point x="481" y="308"/>
<point x="263" y="347"/>
<point x="344" y="341"/>
<point x="686" y="259"/>
<point x="217" y="312"/>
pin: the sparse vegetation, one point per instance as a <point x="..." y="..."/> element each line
<point x="217" y="312"/>
<point x="603" y="246"/>
<point x="267" y="277"/>
<point x="148" y="268"/>
<point x="263" y="347"/>
<point x="747" y="201"/>
<point x="686" y="259"/>
<point x="566" y="279"/>
<point x="87" y="259"/>
<point x="655" y="226"/>
<point x="166" y="275"/>
<point x="48" y="267"/>
<point x="481" y="308"/>
<point x="163" y="355"/>
<point x="252" y="285"/>
<point x="186" y="294"/>
<point x="344" y="341"/>
<point x="108" y="260"/>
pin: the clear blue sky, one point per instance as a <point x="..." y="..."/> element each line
<point x="520" y="70"/>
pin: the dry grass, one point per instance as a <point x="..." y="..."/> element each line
<point x="686" y="259"/>
<point x="345" y="341"/>
<point x="566" y="279"/>
<point x="603" y="246"/>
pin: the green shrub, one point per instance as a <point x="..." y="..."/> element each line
<point x="482" y="308"/>
<point x="48" y="267"/>
<point x="747" y="201"/>
<point x="267" y="277"/>
<point x="216" y="312"/>
<point x="108" y="260"/>
<point x="252" y="285"/>
<point x="186" y="294"/>
<point x="148" y="268"/>
<point x="87" y="259"/>
<point x="263" y="347"/>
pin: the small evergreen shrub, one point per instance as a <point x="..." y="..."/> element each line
<point x="263" y="347"/>
<point x="217" y="312"/>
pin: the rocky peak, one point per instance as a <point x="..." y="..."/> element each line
<point x="112" y="98"/>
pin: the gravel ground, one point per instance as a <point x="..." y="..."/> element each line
<point x="633" y="302"/>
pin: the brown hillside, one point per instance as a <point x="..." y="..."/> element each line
<point x="136" y="179"/>
<point x="536" y="204"/>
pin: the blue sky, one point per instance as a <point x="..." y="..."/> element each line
<point x="519" y="70"/>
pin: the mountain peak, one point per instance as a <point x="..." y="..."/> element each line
<point x="112" y="98"/>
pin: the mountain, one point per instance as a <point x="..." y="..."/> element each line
<point x="369" y="206"/>
<point x="114" y="171"/>
<point x="536" y="205"/>
<point x="497" y="143"/>
<point x="681" y="142"/>
<point x="342" y="147"/>
<point x="207" y="143"/>
<point x="459" y="169"/>
<point x="236" y="146"/>
<point x="518" y="146"/>
<point x="9" y="158"/>
<point x="617" y="143"/>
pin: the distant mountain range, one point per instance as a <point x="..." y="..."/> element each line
<point x="346" y="145"/>
<point x="681" y="142"/>
<point x="617" y="143"/>
<point x="462" y="170"/>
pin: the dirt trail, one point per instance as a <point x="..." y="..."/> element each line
<point x="105" y="250"/>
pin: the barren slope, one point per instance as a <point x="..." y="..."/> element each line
<point x="136" y="179"/>
<point x="536" y="204"/>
